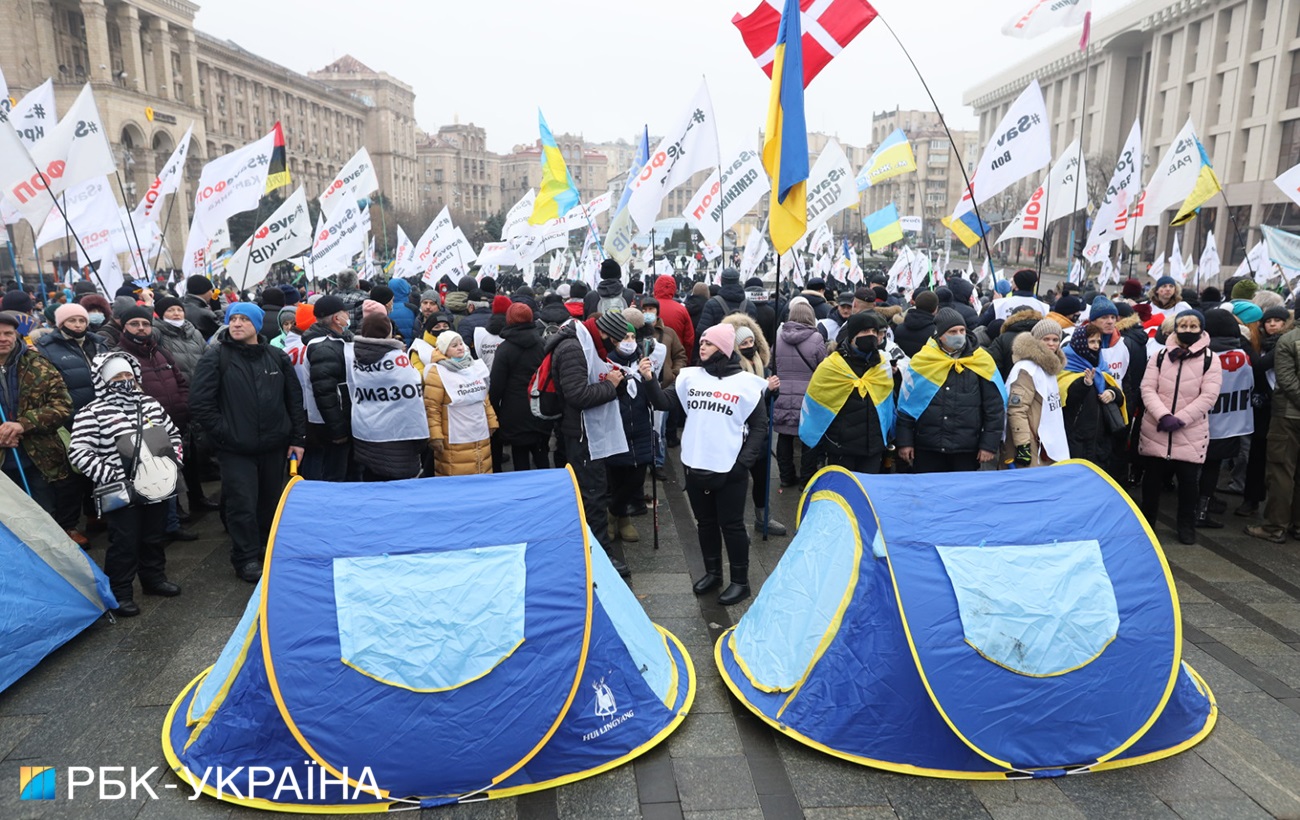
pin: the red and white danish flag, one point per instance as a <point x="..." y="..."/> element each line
<point x="828" y="26"/>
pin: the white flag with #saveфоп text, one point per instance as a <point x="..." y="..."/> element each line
<point x="356" y="180"/>
<point x="34" y="114"/>
<point x="1020" y="146"/>
<point x="167" y="181"/>
<point x="690" y="147"/>
<point x="1111" y="218"/>
<point x="285" y="234"/>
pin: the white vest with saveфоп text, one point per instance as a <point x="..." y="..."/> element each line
<point x="1232" y="415"/>
<point x="716" y="413"/>
<point x="467" y="390"/>
<point x="387" y="397"/>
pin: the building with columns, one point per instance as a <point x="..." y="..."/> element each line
<point x="457" y="170"/>
<point x="1232" y="66"/>
<point x="153" y="75"/>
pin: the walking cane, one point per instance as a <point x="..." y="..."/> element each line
<point x="18" y="459"/>
<point x="767" y="478"/>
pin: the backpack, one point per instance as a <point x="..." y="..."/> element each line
<point x="544" y="398"/>
<point x="611" y="303"/>
<point x="549" y="329"/>
<point x="1160" y="359"/>
<point x="745" y="307"/>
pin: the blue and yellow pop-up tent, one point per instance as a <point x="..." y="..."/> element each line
<point x="423" y="642"/>
<point x="982" y="625"/>
<point x="50" y="588"/>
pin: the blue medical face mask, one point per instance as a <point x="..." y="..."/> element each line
<point x="650" y="318"/>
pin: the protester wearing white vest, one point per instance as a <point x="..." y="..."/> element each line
<point x="390" y="431"/>
<point x="1035" y="423"/>
<point x="1232" y="419"/>
<point x="461" y="418"/>
<point x="726" y="424"/>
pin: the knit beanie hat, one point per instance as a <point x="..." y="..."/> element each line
<point x="248" y="310"/>
<point x="1247" y="312"/>
<point x="430" y="296"/>
<point x="1003" y="287"/>
<point x="612" y="324"/>
<point x="519" y="314"/>
<point x="722" y="336"/>
<point x="304" y="316"/>
<point x="164" y="303"/>
<point x="1245" y="289"/>
<point x="500" y="303"/>
<point x="1024" y="279"/>
<point x="382" y="294"/>
<point x="1211" y="294"/>
<point x="1131" y="289"/>
<point x="609" y="269"/>
<point x="927" y="301"/>
<point x="197" y="285"/>
<point x="328" y="305"/>
<point x="376" y="325"/>
<point x="487" y="284"/>
<point x="743" y="333"/>
<point x="291" y="294"/>
<point x="1219" y="322"/>
<point x="634" y="317"/>
<point x="446" y="339"/>
<point x="288" y="313"/>
<point x="578" y="290"/>
<point x="272" y="297"/>
<point x="369" y="307"/>
<point x="134" y="312"/>
<point x="945" y="319"/>
<point x="1275" y="312"/>
<point x="1046" y="327"/>
<point x="1200" y="317"/>
<point x="18" y="301"/>
<point x="1068" y="305"/>
<point x="1166" y="280"/>
<point x="1101" y="306"/>
<point x="563" y="290"/>
<point x="65" y="312"/>
<point x="730" y="276"/>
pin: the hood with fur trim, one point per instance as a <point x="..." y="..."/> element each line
<point x="1023" y="319"/>
<point x="1026" y="347"/>
<point x="739" y="320"/>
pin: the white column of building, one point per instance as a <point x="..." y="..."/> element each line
<point x="96" y="17"/>
<point x="128" y="24"/>
<point x="160" y="34"/>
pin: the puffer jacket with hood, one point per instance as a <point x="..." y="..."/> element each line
<point x="822" y="309"/>
<point x="961" y="293"/>
<point x="673" y="314"/>
<point x="1184" y="383"/>
<point x="184" y="344"/>
<point x="72" y="359"/>
<point x="569" y="366"/>
<point x="606" y="289"/>
<point x="1022" y="321"/>
<point x="481" y="316"/>
<point x="518" y="356"/>
<point x="799" y="350"/>
<point x="329" y="380"/>
<point x="1024" y="402"/>
<point x="694" y="306"/>
<point x="390" y="459"/>
<point x="159" y="376"/>
<point x="199" y="313"/>
<point x="403" y="315"/>
<point x="916" y="329"/>
<point x="115" y="413"/>
<point x="967" y="414"/>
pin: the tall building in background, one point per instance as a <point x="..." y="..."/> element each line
<point x="590" y="168"/>
<point x="457" y="170"/>
<point x="1232" y="66"/>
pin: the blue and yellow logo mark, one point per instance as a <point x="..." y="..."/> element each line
<point x="37" y="782"/>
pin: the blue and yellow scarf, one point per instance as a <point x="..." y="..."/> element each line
<point x="929" y="369"/>
<point x="832" y="383"/>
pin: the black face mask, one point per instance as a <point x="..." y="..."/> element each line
<point x="749" y="352"/>
<point x="1189" y="337"/>
<point x="866" y="345"/>
<point x="74" y="334"/>
<point x="715" y="364"/>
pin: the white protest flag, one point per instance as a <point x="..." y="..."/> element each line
<point x="94" y="218"/>
<point x="1069" y="184"/>
<point x="168" y="180"/>
<point x="499" y="254"/>
<point x="357" y="178"/>
<point x="1171" y="182"/>
<point x="1111" y="218"/>
<point x="1210" y="262"/>
<point x="285" y="234"/>
<point x="1021" y="145"/>
<point x="142" y="259"/>
<point x="1257" y="264"/>
<point x="585" y="215"/>
<point x="232" y="183"/>
<point x="1030" y="222"/>
<point x="1289" y="183"/>
<point x="722" y="202"/>
<point x="74" y="151"/>
<point x="1046" y="15"/>
<point x="404" y="255"/>
<point x="1283" y="248"/>
<point x="1107" y="274"/>
<point x="755" y="250"/>
<point x="831" y="188"/>
<point x="820" y="238"/>
<point x="110" y="274"/>
<point x="338" y="239"/>
<point x="5" y="103"/>
<point x="690" y="147"/>
<point x="1176" y="266"/>
<point x="423" y="251"/>
<point x="1157" y="268"/>
<point x="34" y="114"/>
<point x="901" y="262"/>
<point x="516" y="221"/>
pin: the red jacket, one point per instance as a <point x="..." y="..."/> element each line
<point x="673" y="313"/>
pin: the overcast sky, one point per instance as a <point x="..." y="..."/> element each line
<point x="602" y="68"/>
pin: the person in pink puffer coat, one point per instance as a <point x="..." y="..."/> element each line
<point x="1179" y="388"/>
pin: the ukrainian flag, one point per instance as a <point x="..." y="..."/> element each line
<point x="927" y="371"/>
<point x="558" y="194"/>
<point x="968" y="227"/>
<point x="832" y="383"/>
<point x="1207" y="185"/>
<point x="883" y="227"/>
<point x="785" y="146"/>
<point x="892" y="157"/>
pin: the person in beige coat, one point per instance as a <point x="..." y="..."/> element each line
<point x="1035" y="424"/>
<point x="461" y="418"/>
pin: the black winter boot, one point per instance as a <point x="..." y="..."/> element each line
<point x="712" y="576"/>
<point x="1203" y="516"/>
<point x="739" y="587"/>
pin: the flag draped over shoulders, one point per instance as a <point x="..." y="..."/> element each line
<point x="928" y="370"/>
<point x="832" y="383"/>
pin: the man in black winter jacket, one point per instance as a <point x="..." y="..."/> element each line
<point x="330" y="442"/>
<point x="569" y="366"/>
<point x="815" y="293"/>
<point x="198" y="311"/>
<point x="918" y="324"/>
<point x="609" y="290"/>
<point x="962" y="425"/>
<point x="731" y="298"/>
<point x="766" y="318"/>
<point x="1022" y="321"/>
<point x="247" y="398"/>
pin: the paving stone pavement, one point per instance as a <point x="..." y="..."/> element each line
<point x="101" y="699"/>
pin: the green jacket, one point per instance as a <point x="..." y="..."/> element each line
<point x="1286" y="366"/>
<point x="44" y="405"/>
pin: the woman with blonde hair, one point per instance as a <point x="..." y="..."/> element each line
<point x="461" y="418"/>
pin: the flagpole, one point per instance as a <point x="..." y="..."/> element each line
<point x="45" y="183"/>
<point x="129" y="218"/>
<point x="1237" y="231"/>
<point x="163" y="241"/>
<point x="1083" y="120"/>
<point x="9" y="235"/>
<point x="988" y="252"/>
